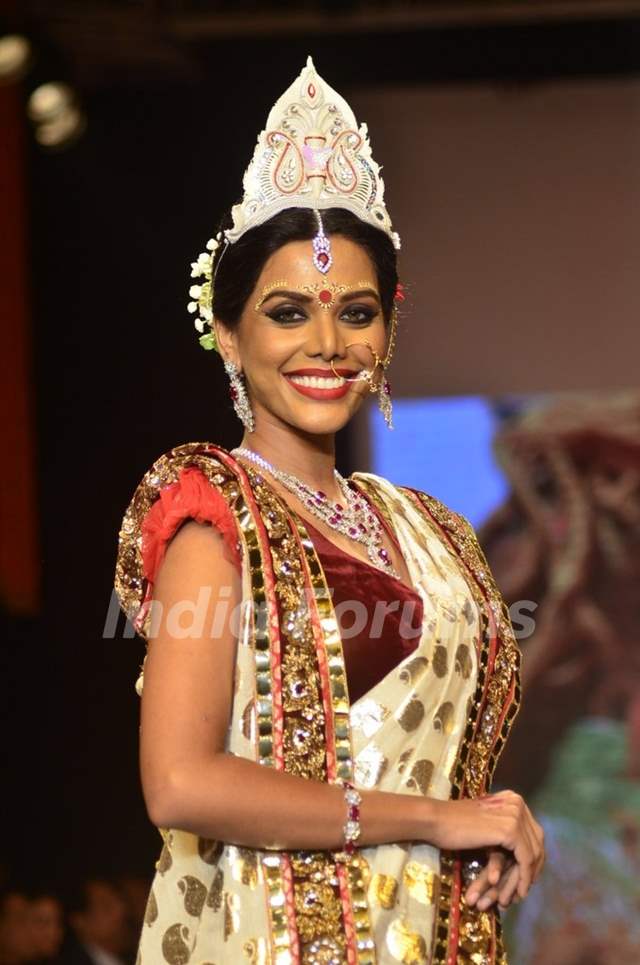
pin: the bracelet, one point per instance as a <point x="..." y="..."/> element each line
<point x="351" y="829"/>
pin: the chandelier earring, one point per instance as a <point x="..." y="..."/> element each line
<point x="239" y="397"/>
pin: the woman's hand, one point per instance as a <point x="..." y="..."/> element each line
<point x="494" y="821"/>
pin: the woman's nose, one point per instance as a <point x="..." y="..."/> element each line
<point x="327" y="339"/>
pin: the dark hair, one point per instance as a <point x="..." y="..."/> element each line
<point x="240" y="266"/>
<point x="77" y="899"/>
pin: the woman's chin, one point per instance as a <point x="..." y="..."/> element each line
<point x="321" y="422"/>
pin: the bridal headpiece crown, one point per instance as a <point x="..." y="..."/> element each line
<point x="311" y="154"/>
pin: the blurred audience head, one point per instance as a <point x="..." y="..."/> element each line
<point x="47" y="923"/>
<point x="98" y="915"/>
<point x="135" y="891"/>
<point x="17" y="942"/>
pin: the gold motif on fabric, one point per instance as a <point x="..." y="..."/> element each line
<point x="444" y="718"/>
<point x="384" y="890"/>
<point x="165" y="860"/>
<point x="411" y="715"/>
<point x="421" y="883"/>
<point x="214" y="898"/>
<point x="420" y="776"/>
<point x="244" y="866"/>
<point x="175" y="944"/>
<point x="255" y="951"/>
<point x="440" y="661"/>
<point x="151" y="909"/>
<point x="405" y="944"/>
<point x="370" y="765"/>
<point x="413" y="670"/>
<point x="368" y="716"/>
<point x="231" y="905"/>
<point x="194" y="893"/>
<point x="209" y="850"/>
<point x="404" y="758"/>
<point x="463" y="663"/>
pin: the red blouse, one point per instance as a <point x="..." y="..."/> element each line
<point x="380" y="619"/>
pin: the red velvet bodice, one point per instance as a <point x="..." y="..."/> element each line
<point x="375" y="639"/>
<point x="382" y="642"/>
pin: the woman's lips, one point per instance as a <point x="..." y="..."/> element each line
<point x="314" y="392"/>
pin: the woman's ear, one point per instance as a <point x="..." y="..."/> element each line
<point x="225" y="339"/>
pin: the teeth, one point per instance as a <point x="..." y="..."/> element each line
<point x="317" y="382"/>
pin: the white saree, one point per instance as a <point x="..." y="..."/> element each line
<point x="434" y="725"/>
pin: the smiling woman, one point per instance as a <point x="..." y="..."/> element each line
<point x="322" y="790"/>
<point x="286" y="311"/>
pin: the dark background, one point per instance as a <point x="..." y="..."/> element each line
<point x="118" y="376"/>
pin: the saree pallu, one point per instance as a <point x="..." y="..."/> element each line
<point x="434" y="725"/>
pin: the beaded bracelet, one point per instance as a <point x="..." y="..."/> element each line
<point x="351" y="828"/>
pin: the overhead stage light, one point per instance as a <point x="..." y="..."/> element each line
<point x="54" y="111"/>
<point x="15" y="57"/>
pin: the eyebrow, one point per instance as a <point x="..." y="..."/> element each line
<point x="306" y="298"/>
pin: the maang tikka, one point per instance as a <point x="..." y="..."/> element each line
<point x="239" y="397"/>
<point x="322" y="257"/>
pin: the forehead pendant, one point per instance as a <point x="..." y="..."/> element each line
<point x="322" y="257"/>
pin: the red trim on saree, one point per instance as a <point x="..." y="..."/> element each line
<point x="270" y="596"/>
<point x="275" y="655"/>
<point x="459" y="929"/>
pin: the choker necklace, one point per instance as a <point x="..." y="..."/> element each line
<point x="353" y="517"/>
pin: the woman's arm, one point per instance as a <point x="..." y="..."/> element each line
<point x="190" y="782"/>
<point x="188" y="779"/>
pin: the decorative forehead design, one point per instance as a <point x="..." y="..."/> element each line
<point x="325" y="292"/>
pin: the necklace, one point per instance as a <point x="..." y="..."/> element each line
<point x="353" y="516"/>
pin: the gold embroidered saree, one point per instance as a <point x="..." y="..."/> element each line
<point x="434" y="725"/>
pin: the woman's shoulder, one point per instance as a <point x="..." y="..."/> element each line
<point x="395" y="494"/>
<point x="208" y="456"/>
<point x="458" y="532"/>
<point x="195" y="480"/>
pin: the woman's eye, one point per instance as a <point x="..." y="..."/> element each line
<point x="288" y="313"/>
<point x="359" y="313"/>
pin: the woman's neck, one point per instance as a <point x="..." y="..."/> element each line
<point x="311" y="459"/>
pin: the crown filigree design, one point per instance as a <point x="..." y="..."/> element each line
<point x="312" y="154"/>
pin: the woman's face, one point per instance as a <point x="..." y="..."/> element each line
<point x="297" y="319"/>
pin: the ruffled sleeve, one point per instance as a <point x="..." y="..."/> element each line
<point x="191" y="497"/>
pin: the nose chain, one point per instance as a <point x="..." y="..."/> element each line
<point x="353" y="516"/>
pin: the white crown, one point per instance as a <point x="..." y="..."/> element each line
<point x="312" y="154"/>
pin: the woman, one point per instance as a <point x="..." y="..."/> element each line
<point x="321" y="788"/>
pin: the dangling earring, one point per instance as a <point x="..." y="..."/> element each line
<point x="384" y="388"/>
<point x="239" y="396"/>
<point x="384" y="400"/>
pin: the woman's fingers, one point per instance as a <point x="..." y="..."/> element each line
<point x="535" y="837"/>
<point x="503" y="890"/>
<point x="508" y="887"/>
<point x="490" y="875"/>
<point x="495" y="866"/>
<point x="538" y="832"/>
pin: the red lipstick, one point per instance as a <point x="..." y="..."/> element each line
<point x="313" y="392"/>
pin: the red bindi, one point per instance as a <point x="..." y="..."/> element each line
<point x="325" y="297"/>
